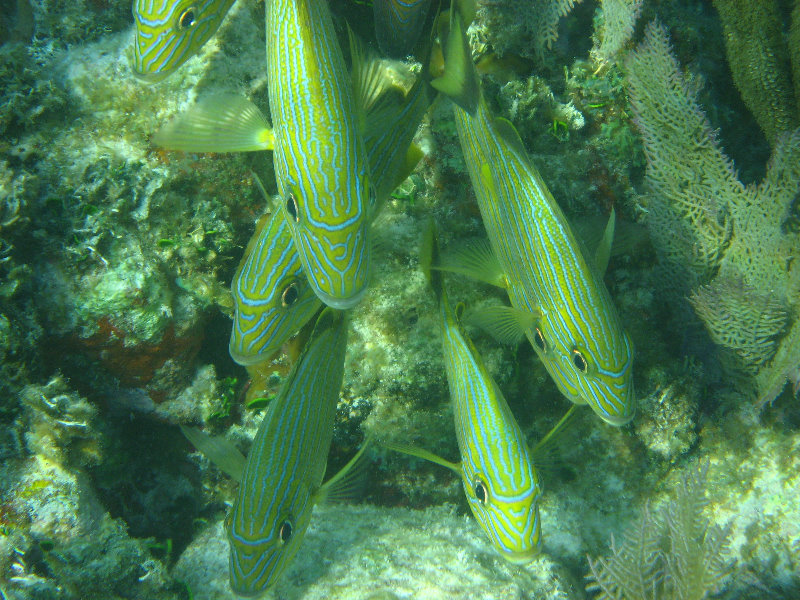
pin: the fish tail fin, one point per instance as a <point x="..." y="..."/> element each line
<point x="459" y="82"/>
<point x="220" y="123"/>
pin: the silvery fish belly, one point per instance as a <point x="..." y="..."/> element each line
<point x="398" y="24"/>
<point x="575" y="329"/>
<point x="320" y="161"/>
<point x="283" y="474"/>
<point x="170" y="32"/>
<point x="497" y="472"/>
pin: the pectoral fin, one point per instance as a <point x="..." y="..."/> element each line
<point x="218" y="450"/>
<point x="475" y="260"/>
<point x="348" y="483"/>
<point x="423" y="454"/>
<point x="506" y="324"/>
<point x="368" y="78"/>
<point x="219" y="123"/>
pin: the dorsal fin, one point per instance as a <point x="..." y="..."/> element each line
<point x="603" y="252"/>
<point x="509" y="133"/>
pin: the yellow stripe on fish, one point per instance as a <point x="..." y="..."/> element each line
<point x="320" y="161"/>
<point x="496" y="468"/>
<point x="398" y="24"/>
<point x="558" y="297"/>
<point x="272" y="297"/>
<point x="282" y="478"/>
<point x="280" y="481"/>
<point x="170" y="32"/>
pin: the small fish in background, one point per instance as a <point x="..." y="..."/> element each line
<point x="282" y="477"/>
<point x="558" y="298"/>
<point x="170" y="32"/>
<point x="398" y="25"/>
<point x="496" y="467"/>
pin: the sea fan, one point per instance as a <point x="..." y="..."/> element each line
<point x="674" y="555"/>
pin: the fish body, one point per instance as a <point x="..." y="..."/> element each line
<point x="398" y="24"/>
<point x="319" y="155"/>
<point x="282" y="478"/>
<point x="272" y="296"/>
<point x="170" y="32"/>
<point x="497" y="472"/>
<point x="575" y="328"/>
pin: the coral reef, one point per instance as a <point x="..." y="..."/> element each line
<point x="115" y="260"/>
<point x="616" y="28"/>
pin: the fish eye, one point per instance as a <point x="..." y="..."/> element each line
<point x="291" y="207"/>
<point x="187" y="19"/>
<point x="579" y="361"/>
<point x="290" y="295"/>
<point x="538" y="339"/>
<point x="285" y="532"/>
<point x="481" y="493"/>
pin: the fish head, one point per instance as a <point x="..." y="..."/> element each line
<point x="169" y="32"/>
<point x="265" y="319"/>
<point x="264" y="542"/>
<point x="331" y="233"/>
<point x="508" y="511"/>
<point x="590" y="368"/>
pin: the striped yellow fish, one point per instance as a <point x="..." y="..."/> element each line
<point x="496" y="469"/>
<point x="558" y="297"/>
<point x="398" y="24"/>
<point x="281" y="479"/>
<point x="272" y="297"/>
<point x="320" y="160"/>
<point x="170" y="32"/>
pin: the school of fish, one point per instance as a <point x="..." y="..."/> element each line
<point x="341" y="141"/>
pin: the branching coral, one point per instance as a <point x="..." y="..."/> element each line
<point x="759" y="61"/>
<point x="689" y="176"/>
<point x="618" y="21"/>
<point x="740" y="318"/>
<point x="675" y="554"/>
<point x="535" y="22"/>
<point x="714" y="231"/>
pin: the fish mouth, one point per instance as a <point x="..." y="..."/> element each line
<point x="339" y="302"/>
<point x="524" y="557"/>
<point x="618" y="421"/>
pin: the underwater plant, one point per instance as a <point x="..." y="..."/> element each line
<point x="673" y="554"/>
<point x="760" y="61"/>
<point x="731" y="247"/>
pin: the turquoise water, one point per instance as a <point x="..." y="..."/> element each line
<point x="116" y="262"/>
